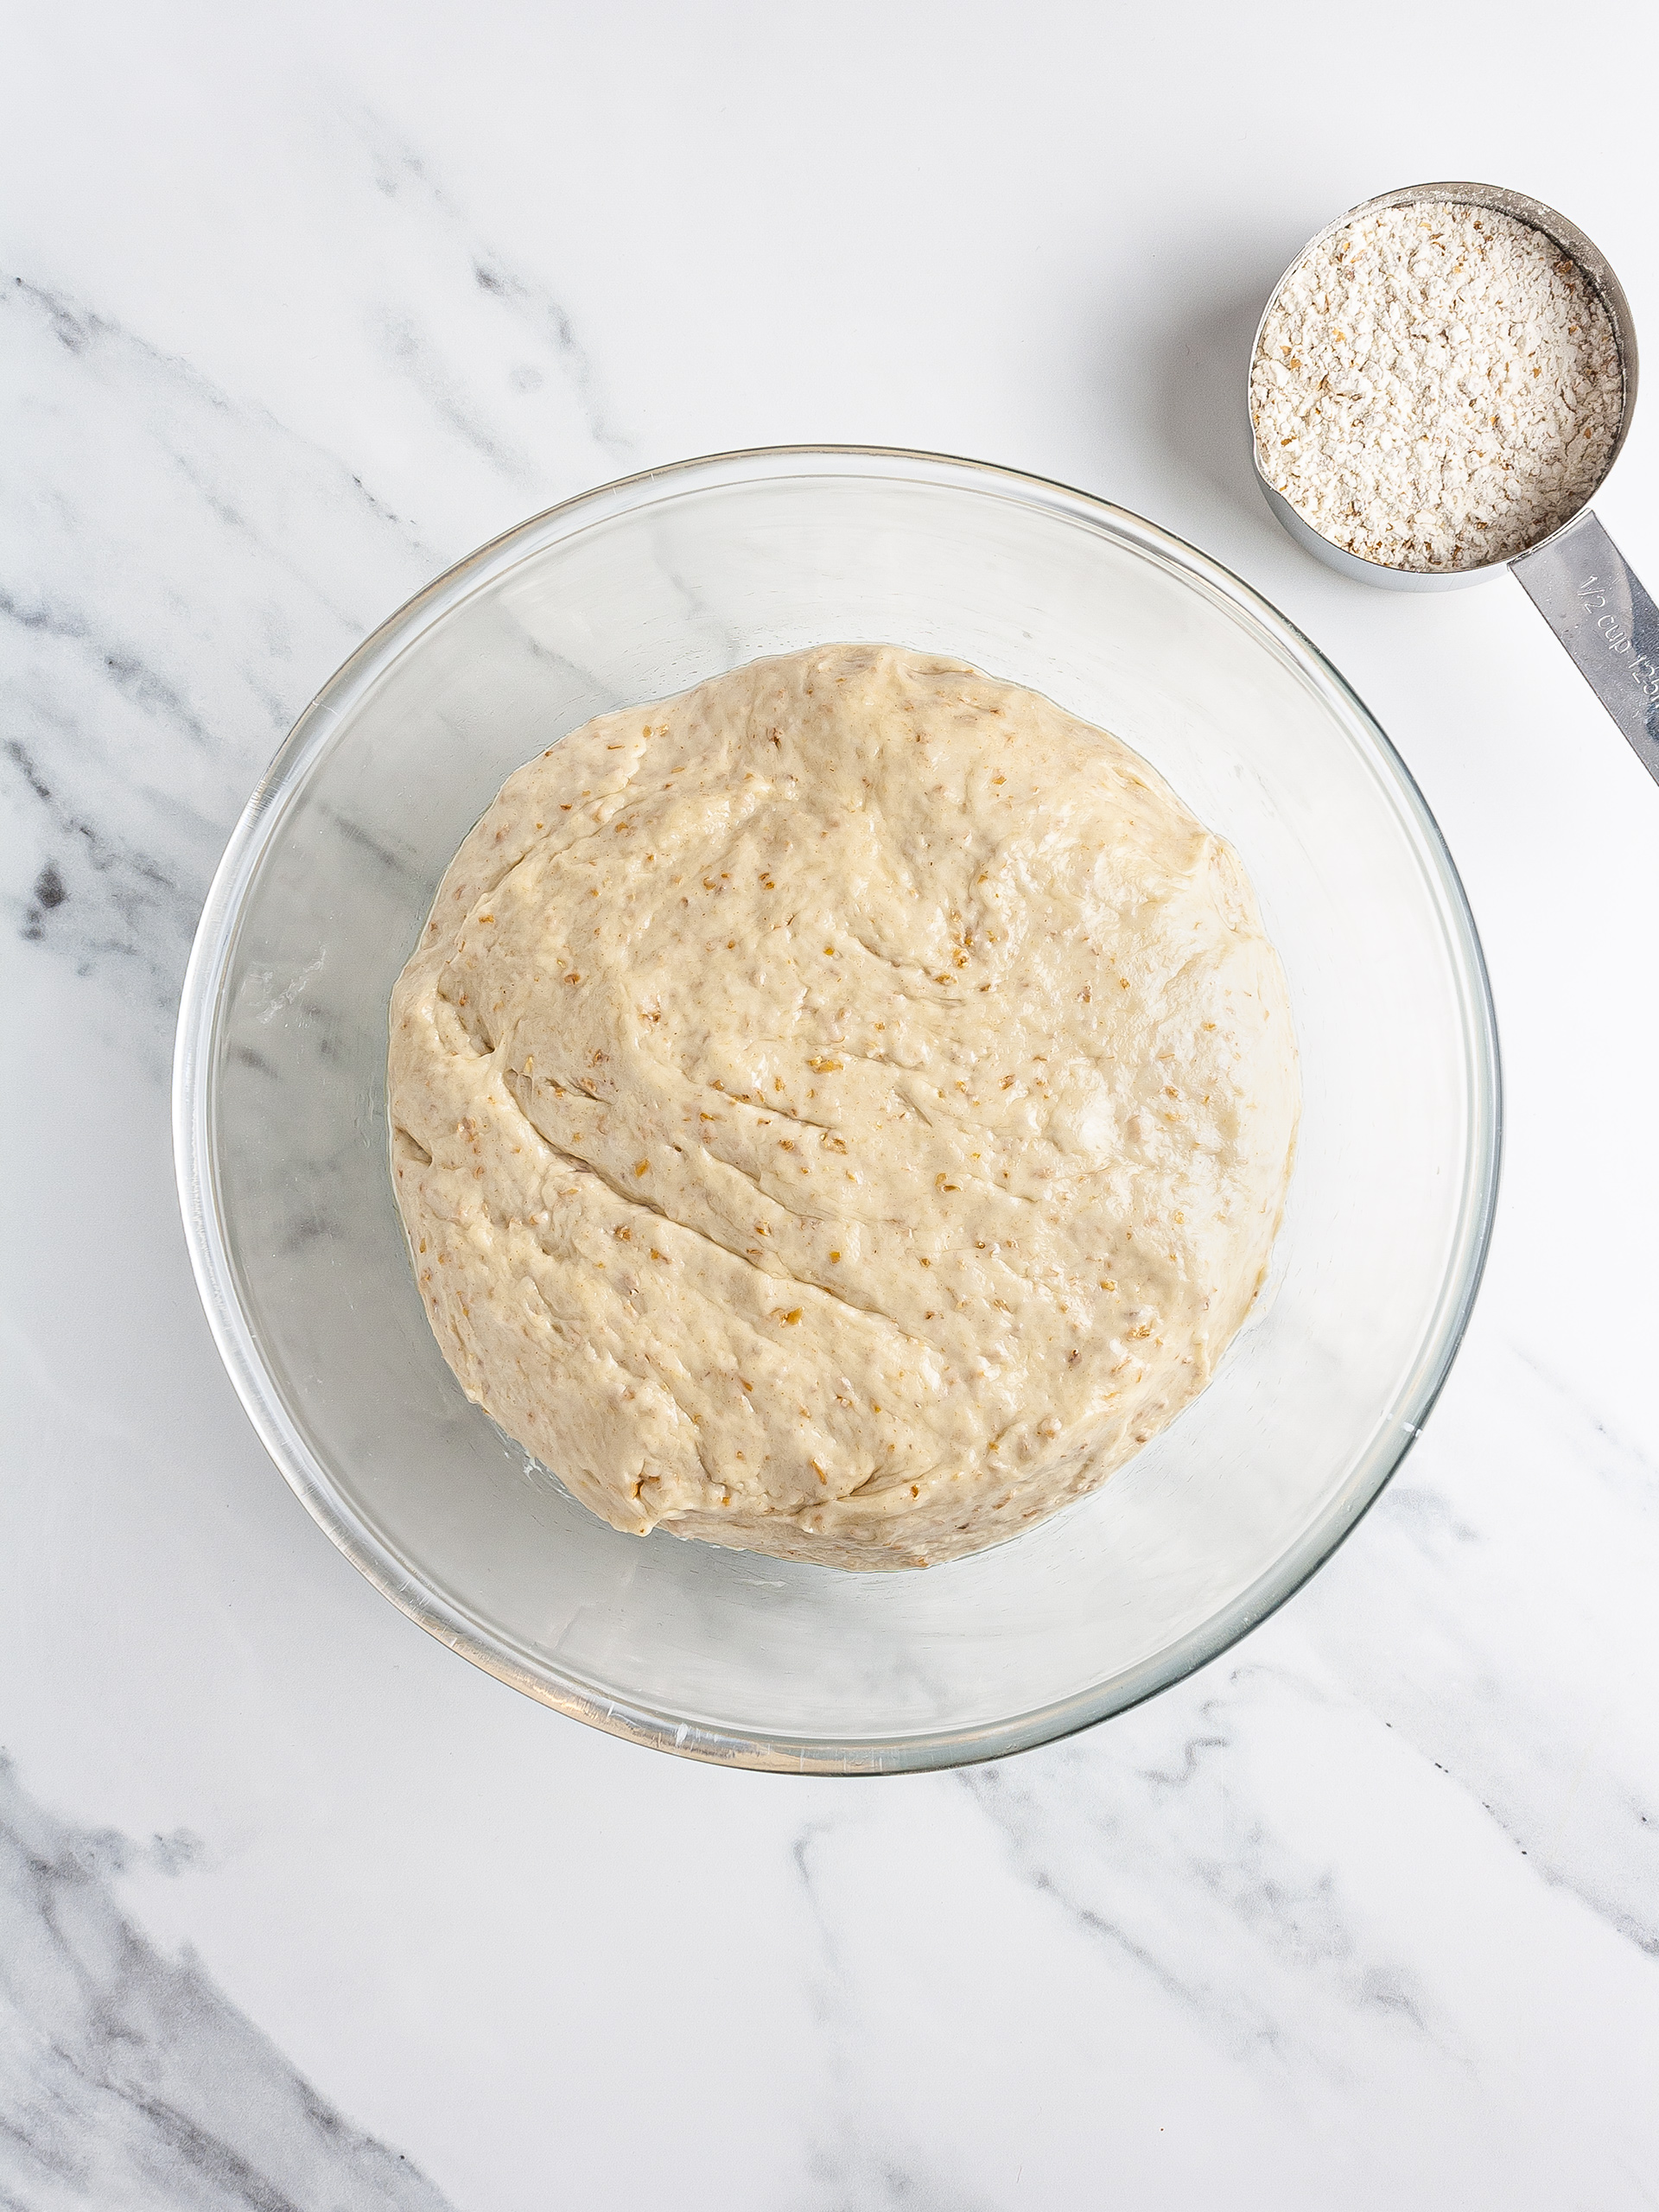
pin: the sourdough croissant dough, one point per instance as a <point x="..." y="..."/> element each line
<point x="843" y="1111"/>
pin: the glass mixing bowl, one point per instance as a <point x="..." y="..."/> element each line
<point x="629" y="594"/>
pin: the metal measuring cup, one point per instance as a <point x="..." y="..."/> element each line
<point x="1576" y="577"/>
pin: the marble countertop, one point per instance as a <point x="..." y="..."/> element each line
<point x="298" y="1909"/>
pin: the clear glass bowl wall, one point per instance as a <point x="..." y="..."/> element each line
<point x="624" y="596"/>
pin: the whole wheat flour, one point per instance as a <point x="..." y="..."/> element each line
<point x="843" y="1111"/>
<point x="1437" y="386"/>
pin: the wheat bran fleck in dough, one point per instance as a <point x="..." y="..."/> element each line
<point x="843" y="1111"/>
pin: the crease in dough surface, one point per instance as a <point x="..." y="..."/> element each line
<point x="843" y="1111"/>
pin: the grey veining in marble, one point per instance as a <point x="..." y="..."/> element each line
<point x="127" y="2079"/>
<point x="111" y="684"/>
<point x="172" y="683"/>
<point x="400" y="172"/>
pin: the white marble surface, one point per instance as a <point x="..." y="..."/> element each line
<point x="296" y="1909"/>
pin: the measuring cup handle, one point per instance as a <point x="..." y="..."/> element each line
<point x="1595" y="604"/>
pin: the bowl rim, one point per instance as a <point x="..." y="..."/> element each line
<point x="193" y="1106"/>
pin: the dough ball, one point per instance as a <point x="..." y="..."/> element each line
<point x="843" y="1111"/>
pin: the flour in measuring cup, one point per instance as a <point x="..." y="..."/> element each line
<point x="1436" y="386"/>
